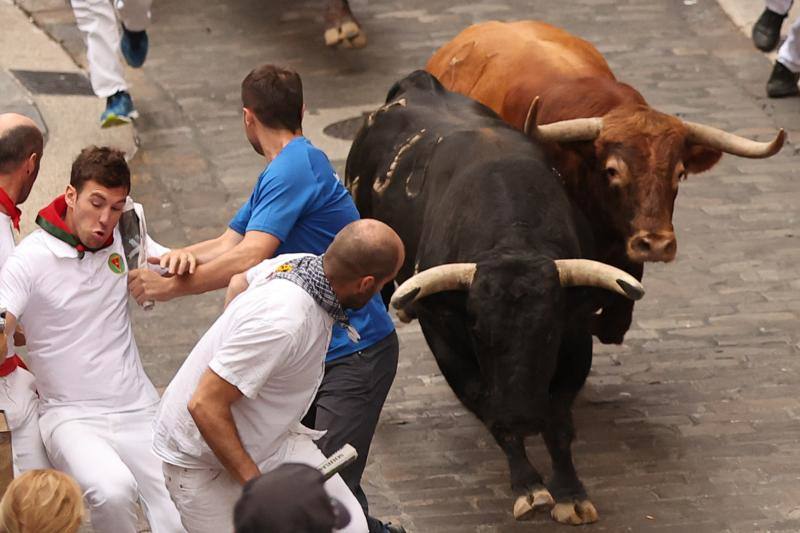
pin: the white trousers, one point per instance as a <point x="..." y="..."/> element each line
<point x="97" y="20"/>
<point x="205" y="497"/>
<point x="779" y="6"/>
<point x="111" y="458"/>
<point x="789" y="52"/>
<point x="21" y="404"/>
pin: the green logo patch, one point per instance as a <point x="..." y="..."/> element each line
<point x="116" y="264"/>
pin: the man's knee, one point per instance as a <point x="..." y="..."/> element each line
<point x="111" y="489"/>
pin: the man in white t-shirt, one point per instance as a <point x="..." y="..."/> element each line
<point x="233" y="410"/>
<point x="21" y="146"/>
<point x="67" y="283"/>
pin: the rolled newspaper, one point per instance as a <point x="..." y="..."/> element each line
<point x="133" y="229"/>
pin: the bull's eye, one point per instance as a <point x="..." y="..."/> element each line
<point x="611" y="173"/>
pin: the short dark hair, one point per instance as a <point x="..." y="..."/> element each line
<point x="275" y="95"/>
<point x="104" y="165"/>
<point x="16" y="145"/>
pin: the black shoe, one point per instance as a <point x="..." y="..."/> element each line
<point x="767" y="30"/>
<point x="782" y="82"/>
<point x="391" y="528"/>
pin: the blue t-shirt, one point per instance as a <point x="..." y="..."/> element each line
<point x="300" y="200"/>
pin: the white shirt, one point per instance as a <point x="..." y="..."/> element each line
<point x="7" y="245"/>
<point x="270" y="343"/>
<point x="77" y="325"/>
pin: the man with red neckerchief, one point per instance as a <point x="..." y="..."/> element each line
<point x="21" y="147"/>
<point x="68" y="283"/>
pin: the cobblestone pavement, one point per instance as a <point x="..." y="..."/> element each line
<point x="692" y="425"/>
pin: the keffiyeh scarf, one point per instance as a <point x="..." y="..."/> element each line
<point x="307" y="273"/>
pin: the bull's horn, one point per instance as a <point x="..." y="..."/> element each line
<point x="450" y="277"/>
<point x="733" y="144"/>
<point x="584" y="272"/>
<point x="578" y="129"/>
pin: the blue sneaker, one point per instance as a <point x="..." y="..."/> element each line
<point x="134" y="46"/>
<point x="119" y="110"/>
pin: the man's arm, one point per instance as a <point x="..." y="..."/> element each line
<point x="216" y="274"/>
<point x="210" y="407"/>
<point x="11" y="325"/>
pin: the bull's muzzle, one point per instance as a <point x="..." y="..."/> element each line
<point x="649" y="246"/>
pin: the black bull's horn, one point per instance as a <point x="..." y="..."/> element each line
<point x="571" y="273"/>
<point x="588" y="129"/>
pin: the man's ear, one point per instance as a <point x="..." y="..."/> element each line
<point x="71" y="196"/>
<point x="367" y="284"/>
<point x="31" y="162"/>
<point x="249" y="117"/>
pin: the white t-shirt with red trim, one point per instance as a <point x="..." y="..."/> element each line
<point x="77" y="325"/>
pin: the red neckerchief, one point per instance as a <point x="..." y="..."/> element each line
<point x="11" y="208"/>
<point x="51" y="219"/>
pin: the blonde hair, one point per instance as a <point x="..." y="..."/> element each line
<point x="42" y="501"/>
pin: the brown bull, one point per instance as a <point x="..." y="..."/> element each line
<point x="620" y="159"/>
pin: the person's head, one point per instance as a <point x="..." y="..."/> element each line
<point x="21" y="145"/>
<point x="99" y="183"/>
<point x="362" y="258"/>
<point x="289" y="499"/>
<point x="272" y="99"/>
<point x="42" y="501"/>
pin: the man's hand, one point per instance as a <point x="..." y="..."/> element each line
<point x="19" y="336"/>
<point x="176" y="262"/>
<point x="146" y="285"/>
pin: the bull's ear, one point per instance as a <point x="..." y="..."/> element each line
<point x="700" y="158"/>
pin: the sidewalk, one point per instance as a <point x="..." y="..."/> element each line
<point x="56" y="97"/>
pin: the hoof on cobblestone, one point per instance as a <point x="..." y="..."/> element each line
<point x="574" y="513"/>
<point x="349" y="34"/>
<point x="528" y="505"/>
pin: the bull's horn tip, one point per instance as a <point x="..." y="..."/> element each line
<point x="402" y="301"/>
<point x="633" y="292"/>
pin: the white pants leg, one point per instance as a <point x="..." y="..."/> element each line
<point x="111" y="459"/>
<point x="134" y="14"/>
<point x="779" y="6"/>
<point x="19" y="401"/>
<point x="789" y="52"/>
<point x="204" y="497"/>
<point x="98" y="23"/>
<point x="133" y="440"/>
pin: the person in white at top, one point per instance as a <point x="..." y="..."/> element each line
<point x="67" y="283"/>
<point x="233" y="410"/>
<point x="21" y="146"/>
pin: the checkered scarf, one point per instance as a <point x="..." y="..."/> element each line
<point x="307" y="273"/>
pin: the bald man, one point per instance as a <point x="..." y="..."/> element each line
<point x="233" y="410"/>
<point x="21" y="145"/>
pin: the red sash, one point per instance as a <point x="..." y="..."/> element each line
<point x="11" y="364"/>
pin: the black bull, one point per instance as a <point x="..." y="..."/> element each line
<point x="461" y="186"/>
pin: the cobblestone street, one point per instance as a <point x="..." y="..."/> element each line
<point x="693" y="424"/>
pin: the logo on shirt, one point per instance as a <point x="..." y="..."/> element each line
<point x="286" y="267"/>
<point x="115" y="264"/>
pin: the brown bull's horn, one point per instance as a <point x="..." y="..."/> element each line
<point x="584" y="272"/>
<point x="578" y="129"/>
<point x="733" y="144"/>
<point x="450" y="277"/>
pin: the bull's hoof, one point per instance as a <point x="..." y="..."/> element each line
<point x="574" y="513"/>
<point x="349" y="34"/>
<point x="528" y="505"/>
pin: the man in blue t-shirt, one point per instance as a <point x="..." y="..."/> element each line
<point x="297" y="205"/>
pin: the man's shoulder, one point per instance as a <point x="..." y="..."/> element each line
<point x="35" y="244"/>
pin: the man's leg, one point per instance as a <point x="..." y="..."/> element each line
<point x="302" y="449"/>
<point x="204" y="497"/>
<point x="82" y="449"/>
<point x="133" y="439"/>
<point x="98" y="22"/>
<point x="19" y="401"/>
<point x="786" y="71"/>
<point x="781" y="7"/>
<point x="134" y="14"/>
<point x="349" y="404"/>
